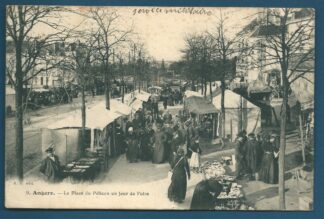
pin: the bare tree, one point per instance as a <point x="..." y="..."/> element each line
<point x="200" y="53"/>
<point x="109" y="33"/>
<point x="291" y="46"/>
<point x="29" y="56"/>
<point x="227" y="47"/>
<point x="80" y="61"/>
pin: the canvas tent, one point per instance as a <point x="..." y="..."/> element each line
<point x="189" y="93"/>
<point x="199" y="105"/>
<point x="116" y="107"/>
<point x="136" y="104"/>
<point x="66" y="133"/>
<point x="240" y="114"/>
<point x="143" y="96"/>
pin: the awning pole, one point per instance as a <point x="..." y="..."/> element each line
<point x="92" y="140"/>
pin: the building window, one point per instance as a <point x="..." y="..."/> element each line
<point x="46" y="81"/>
<point x="41" y="81"/>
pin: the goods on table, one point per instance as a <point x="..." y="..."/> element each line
<point x="213" y="169"/>
<point x="235" y="193"/>
<point x="226" y="160"/>
<point x="82" y="169"/>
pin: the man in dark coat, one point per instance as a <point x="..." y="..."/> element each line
<point x="239" y="156"/>
<point x="120" y="140"/>
<point x="206" y="193"/>
<point x="190" y="133"/>
<point x="252" y="153"/>
<point x="51" y="167"/>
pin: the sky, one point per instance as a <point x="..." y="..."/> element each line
<point x="162" y="30"/>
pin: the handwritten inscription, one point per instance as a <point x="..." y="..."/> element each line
<point x="179" y="10"/>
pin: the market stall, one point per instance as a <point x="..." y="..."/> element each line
<point x="205" y="112"/>
<point x="82" y="170"/>
<point x="70" y="145"/>
<point x="219" y="170"/>
<point x="240" y="114"/>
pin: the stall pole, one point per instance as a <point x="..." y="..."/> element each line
<point x="231" y="128"/>
<point x="92" y="140"/>
<point x="302" y="138"/>
<point x="214" y="122"/>
<point x="66" y="148"/>
<point x="114" y="137"/>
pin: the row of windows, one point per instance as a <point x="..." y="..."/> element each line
<point x="42" y="81"/>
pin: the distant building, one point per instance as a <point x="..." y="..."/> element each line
<point x="55" y="77"/>
<point x="257" y="67"/>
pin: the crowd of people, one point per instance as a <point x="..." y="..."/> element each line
<point x="257" y="156"/>
<point x="160" y="139"/>
<point x="171" y="97"/>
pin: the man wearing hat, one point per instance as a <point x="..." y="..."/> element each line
<point x="252" y="153"/>
<point x="50" y="166"/>
<point x="239" y="156"/>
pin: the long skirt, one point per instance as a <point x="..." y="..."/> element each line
<point x="178" y="187"/>
<point x="132" y="153"/>
<point x="158" y="153"/>
<point x="269" y="169"/>
<point x="145" y="152"/>
<point x="194" y="160"/>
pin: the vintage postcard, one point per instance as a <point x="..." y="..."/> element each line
<point x="161" y="108"/>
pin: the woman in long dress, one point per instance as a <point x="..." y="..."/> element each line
<point x="175" y="143"/>
<point x="269" y="166"/>
<point x="195" y="155"/>
<point x="132" y="147"/>
<point x="159" y="146"/>
<point x="178" y="187"/>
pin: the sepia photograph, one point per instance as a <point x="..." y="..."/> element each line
<point x="159" y="108"/>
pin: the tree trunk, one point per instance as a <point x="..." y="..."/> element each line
<point x="223" y="108"/>
<point x="202" y="86"/>
<point x="107" y="89"/>
<point x="205" y="90"/>
<point x="211" y="91"/>
<point x="83" y="115"/>
<point x="123" y="90"/>
<point x="19" y="114"/>
<point x="240" y="116"/>
<point x="282" y="202"/>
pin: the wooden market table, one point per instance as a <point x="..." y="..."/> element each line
<point x="84" y="169"/>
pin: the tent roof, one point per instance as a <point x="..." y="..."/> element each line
<point x="116" y="107"/>
<point x="258" y="86"/>
<point x="10" y="91"/>
<point x="199" y="105"/>
<point x="97" y="117"/>
<point x="143" y="96"/>
<point x="231" y="100"/>
<point x="136" y="104"/>
<point x="189" y="93"/>
<point x="155" y="87"/>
